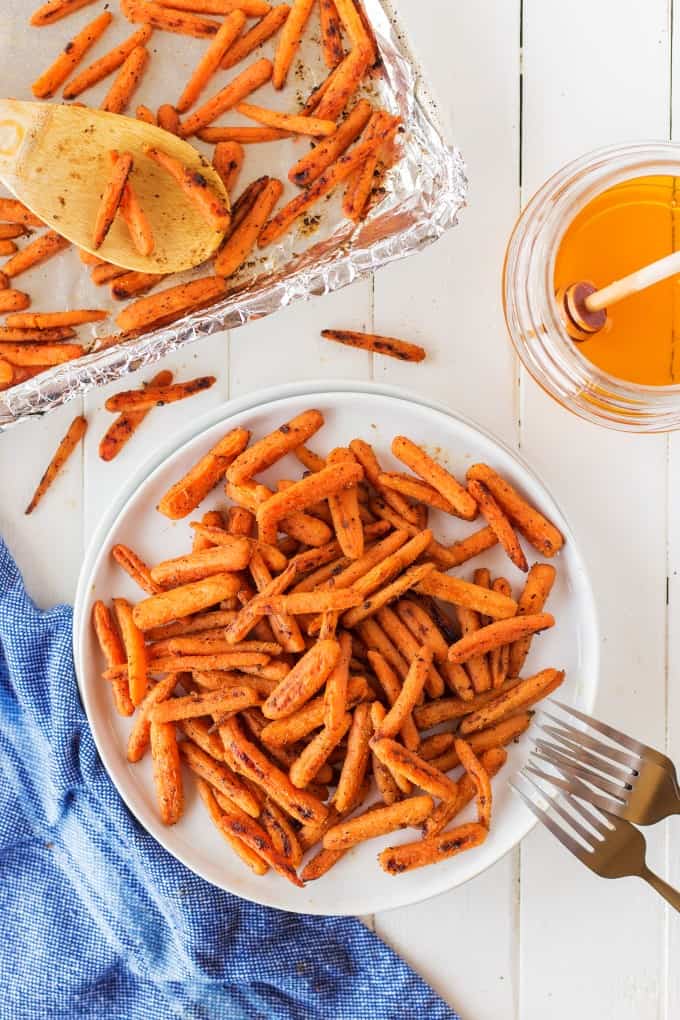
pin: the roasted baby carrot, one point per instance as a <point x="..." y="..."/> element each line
<point x="331" y="33"/>
<point x="196" y="188"/>
<point x="14" y="211"/>
<point x="289" y="41"/>
<point x="378" y="821"/>
<point x="398" y="859"/>
<point x="333" y="176"/>
<point x="10" y="230"/>
<point x="112" y="198"/>
<point x="55" y="10"/>
<point x="247" y="81"/>
<point x="167" y="772"/>
<point x="242" y="135"/>
<point x="259" y="33"/>
<point x="125" y="285"/>
<point x="313" y="163"/>
<point x="228" y="160"/>
<point x="42" y="248"/>
<point x="13" y="300"/>
<point x="49" y="81"/>
<point x="360" y="184"/>
<point x="145" y="114"/>
<point x="186" y="494"/>
<point x="128" y="560"/>
<point x="212" y="58"/>
<point x="271" y="448"/>
<point x="243" y="238"/>
<point x="136" y="220"/>
<point x="173" y="302"/>
<point x="75" y="433"/>
<point x="28" y="354"/>
<point x="499" y="633"/>
<point x="388" y="345"/>
<point x="158" y="396"/>
<point x="430" y="471"/>
<point x="498" y="523"/>
<point x="107" y="64"/>
<point x="141" y="12"/>
<point x="135" y="650"/>
<point x="289" y="122"/>
<point x="341" y="84"/>
<point x="251" y="8"/>
<point x="183" y="601"/>
<point x="540" y="580"/>
<point x="46" y="320"/>
<point x="536" y="528"/>
<point x="113" y="651"/>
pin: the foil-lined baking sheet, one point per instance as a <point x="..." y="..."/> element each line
<point x="420" y="197"/>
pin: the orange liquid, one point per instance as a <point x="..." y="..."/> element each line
<point x="621" y="230"/>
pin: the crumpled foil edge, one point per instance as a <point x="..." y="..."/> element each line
<point x="425" y="191"/>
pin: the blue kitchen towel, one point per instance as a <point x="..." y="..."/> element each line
<point x="97" y="920"/>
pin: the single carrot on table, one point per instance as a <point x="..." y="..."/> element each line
<point x="75" y="433"/>
<point x="158" y="396"/>
<point x="387" y="345"/>
<point x="124" y="427"/>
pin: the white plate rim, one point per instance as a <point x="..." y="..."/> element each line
<point x="173" y="445"/>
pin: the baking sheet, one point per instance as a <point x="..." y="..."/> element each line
<point x="423" y="193"/>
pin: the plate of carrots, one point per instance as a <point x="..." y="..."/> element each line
<point x="311" y="643"/>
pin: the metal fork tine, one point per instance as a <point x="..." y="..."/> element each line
<point x="557" y="831"/>
<point x="586" y="740"/>
<point x="586" y="835"/>
<point x="574" y="787"/>
<point x="633" y="745"/>
<point x="594" y="820"/>
<point x="554" y="756"/>
<point x="586" y="758"/>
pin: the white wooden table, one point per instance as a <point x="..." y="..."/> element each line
<point x="525" y="86"/>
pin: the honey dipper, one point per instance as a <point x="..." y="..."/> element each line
<point x="583" y="306"/>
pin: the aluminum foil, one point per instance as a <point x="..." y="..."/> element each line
<point x="423" y="193"/>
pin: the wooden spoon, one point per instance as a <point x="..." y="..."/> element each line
<point x="56" y="160"/>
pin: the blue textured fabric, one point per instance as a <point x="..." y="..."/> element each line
<point x="98" y="920"/>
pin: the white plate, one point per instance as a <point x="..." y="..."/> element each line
<point x="357" y="885"/>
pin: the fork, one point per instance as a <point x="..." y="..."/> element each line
<point x="630" y="780"/>
<point x="611" y="846"/>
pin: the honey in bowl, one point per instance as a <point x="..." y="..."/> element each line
<point x="619" y="231"/>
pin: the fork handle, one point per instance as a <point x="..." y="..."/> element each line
<point x="670" y="894"/>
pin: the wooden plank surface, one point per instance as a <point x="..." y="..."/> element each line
<point x="448" y="299"/>
<point x="595" y="74"/>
